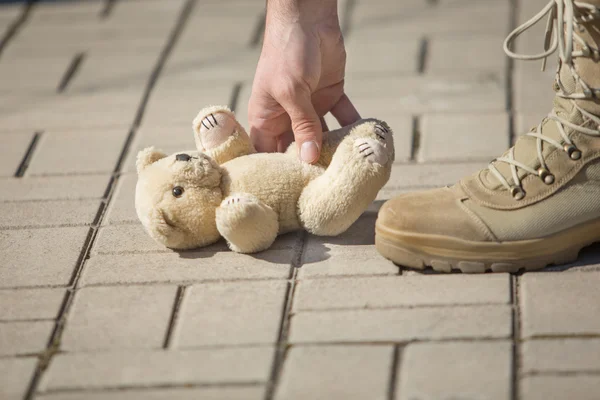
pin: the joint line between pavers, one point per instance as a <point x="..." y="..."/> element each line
<point x="46" y="358"/>
<point x="422" y="55"/>
<point x="284" y="327"/>
<point x="516" y="335"/>
<point x="106" y="11"/>
<point x="415" y="144"/>
<point x="70" y="72"/>
<point x="346" y="23"/>
<point x="258" y="32"/>
<point x="235" y="96"/>
<point x="173" y="321"/>
<point x="20" y="172"/>
<point x="393" y="384"/>
<point x="16" y="26"/>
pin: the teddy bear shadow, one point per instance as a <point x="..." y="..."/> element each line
<point x="308" y="249"/>
<point x="361" y="233"/>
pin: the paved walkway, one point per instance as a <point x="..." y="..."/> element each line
<point x="91" y="308"/>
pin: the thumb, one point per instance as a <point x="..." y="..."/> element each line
<point x="306" y="125"/>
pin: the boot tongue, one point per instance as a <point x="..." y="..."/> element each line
<point x="525" y="149"/>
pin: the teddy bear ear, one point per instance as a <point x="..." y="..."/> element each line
<point x="147" y="157"/>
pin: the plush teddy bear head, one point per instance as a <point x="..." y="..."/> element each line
<point x="177" y="196"/>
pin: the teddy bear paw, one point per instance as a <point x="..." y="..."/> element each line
<point x="372" y="150"/>
<point x="230" y="201"/>
<point x="382" y="131"/>
<point x="214" y="129"/>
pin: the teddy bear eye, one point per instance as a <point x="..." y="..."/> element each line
<point x="177" y="191"/>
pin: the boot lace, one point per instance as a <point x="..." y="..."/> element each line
<point x="564" y="21"/>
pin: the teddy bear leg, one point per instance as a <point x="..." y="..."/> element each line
<point x="246" y="223"/>
<point x="219" y="135"/>
<point x="360" y="167"/>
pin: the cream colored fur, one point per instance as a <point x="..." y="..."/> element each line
<point x="226" y="189"/>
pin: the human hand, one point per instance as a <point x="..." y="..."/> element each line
<point x="299" y="77"/>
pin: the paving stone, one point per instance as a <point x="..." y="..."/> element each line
<point x="22" y="75"/>
<point x="53" y="187"/>
<point x="119" y="239"/>
<point x="180" y="135"/>
<point x="560" y="355"/>
<point x="252" y="310"/>
<point x="18" y="338"/>
<point x="479" y="370"/>
<point x="24" y="304"/>
<point x="39" y="257"/>
<point x="466" y="52"/>
<point x="461" y="137"/>
<point x="131" y="369"/>
<point x="94" y="151"/>
<point x="186" y="267"/>
<point x="206" y="30"/>
<point x="122" y="206"/>
<point x="119" y="317"/>
<point x="351" y="253"/>
<point x="411" y="17"/>
<point x="401" y="325"/>
<point x="430" y="175"/>
<point x="254" y="392"/>
<point x="12" y="150"/>
<point x="370" y="58"/>
<point x="401" y="291"/>
<point x="335" y="372"/>
<point x="474" y="92"/>
<point x="541" y="387"/>
<point x="48" y="213"/>
<point x="109" y="109"/>
<point x="172" y="105"/>
<point x="560" y="304"/>
<point x="533" y="88"/>
<point x="16" y="375"/>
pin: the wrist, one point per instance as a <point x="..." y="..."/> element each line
<point x="304" y="12"/>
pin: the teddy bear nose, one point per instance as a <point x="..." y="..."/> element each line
<point x="182" y="157"/>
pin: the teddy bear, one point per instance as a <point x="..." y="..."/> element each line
<point x="226" y="189"/>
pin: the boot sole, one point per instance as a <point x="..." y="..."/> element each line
<point x="447" y="254"/>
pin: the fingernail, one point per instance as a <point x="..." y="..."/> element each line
<point x="309" y="152"/>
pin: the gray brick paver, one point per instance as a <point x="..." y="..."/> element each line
<point x="401" y="324"/>
<point x="155" y="368"/>
<point x="466" y="52"/>
<point x="455" y="370"/>
<point x="48" y="213"/>
<point x="251" y="310"/>
<point x="77" y="152"/>
<point x="401" y="291"/>
<point x="560" y="304"/>
<point x="460" y="137"/>
<point x="24" y="337"/>
<point x="117" y="317"/>
<point x="336" y="372"/>
<point x="53" y="187"/>
<point x="254" y="392"/>
<point x="560" y="355"/>
<point x="16" y="375"/>
<point x="580" y="387"/>
<point x="24" y="304"/>
<point x="39" y="257"/>
<point x="187" y="266"/>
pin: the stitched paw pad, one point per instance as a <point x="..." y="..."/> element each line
<point x="214" y="129"/>
<point x="372" y="150"/>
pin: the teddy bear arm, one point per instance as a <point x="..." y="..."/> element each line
<point x="360" y="167"/>
<point x="246" y="223"/>
<point x="219" y="135"/>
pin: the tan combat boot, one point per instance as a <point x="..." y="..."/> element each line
<point x="539" y="203"/>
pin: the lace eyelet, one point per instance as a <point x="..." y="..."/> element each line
<point x="517" y="193"/>
<point x="573" y="152"/>
<point x="546" y="176"/>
